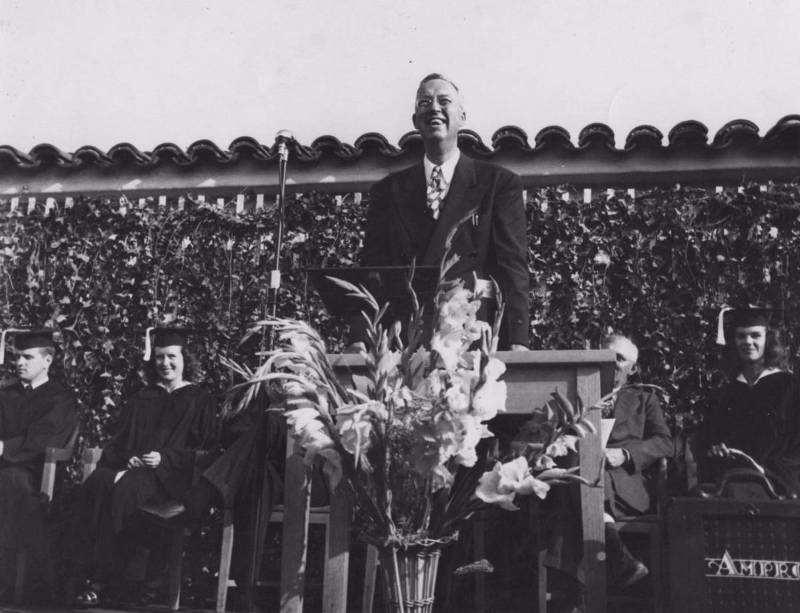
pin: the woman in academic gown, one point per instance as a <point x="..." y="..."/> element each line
<point x="758" y="411"/>
<point x="149" y="459"/>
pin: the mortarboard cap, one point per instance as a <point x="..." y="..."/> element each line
<point x="26" y="338"/>
<point x="164" y="337"/>
<point x="743" y="317"/>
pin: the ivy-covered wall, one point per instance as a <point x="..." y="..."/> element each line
<point x="656" y="267"/>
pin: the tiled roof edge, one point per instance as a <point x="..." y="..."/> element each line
<point x="506" y="140"/>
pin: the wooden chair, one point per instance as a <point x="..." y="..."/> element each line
<point x="653" y="527"/>
<point x="296" y="514"/>
<point x="52" y="456"/>
<point x="169" y="515"/>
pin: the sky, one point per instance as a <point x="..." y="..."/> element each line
<point x="101" y="72"/>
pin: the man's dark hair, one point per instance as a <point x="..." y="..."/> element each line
<point x="191" y="368"/>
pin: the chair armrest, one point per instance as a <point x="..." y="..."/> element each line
<point x="58" y="454"/>
<point x="661" y="485"/>
<point x="89" y="460"/>
<point x="203" y="459"/>
<point x="53" y="455"/>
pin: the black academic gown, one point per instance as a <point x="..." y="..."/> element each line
<point x="492" y="242"/>
<point x="30" y="421"/>
<point x="176" y="425"/>
<point x="763" y="420"/>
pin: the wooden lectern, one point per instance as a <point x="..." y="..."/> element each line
<point x="531" y="377"/>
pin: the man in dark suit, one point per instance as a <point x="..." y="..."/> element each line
<point x="413" y="211"/>
<point x="640" y="437"/>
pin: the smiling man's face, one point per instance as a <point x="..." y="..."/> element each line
<point x="439" y="112"/>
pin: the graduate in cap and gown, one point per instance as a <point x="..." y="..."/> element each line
<point x="149" y="459"/>
<point x="35" y="413"/>
<point x="758" y="410"/>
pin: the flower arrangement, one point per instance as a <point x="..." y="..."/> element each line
<point x="405" y="438"/>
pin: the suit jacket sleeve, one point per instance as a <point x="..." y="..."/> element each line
<point x="656" y="442"/>
<point x="509" y="238"/>
<point x="374" y="252"/>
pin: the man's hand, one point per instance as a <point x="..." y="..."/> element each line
<point x="152" y="459"/>
<point x="719" y="451"/>
<point x="135" y="462"/>
<point x="518" y="347"/>
<point x="615" y="457"/>
<point x="357" y="347"/>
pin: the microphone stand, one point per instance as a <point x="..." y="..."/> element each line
<point x="282" y="138"/>
<point x="260" y="507"/>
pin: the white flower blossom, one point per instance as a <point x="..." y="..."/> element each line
<point x="505" y="481"/>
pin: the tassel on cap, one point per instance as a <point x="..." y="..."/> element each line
<point x="148" y="348"/>
<point x="3" y="346"/>
<point x="3" y="342"/>
<point x="721" y="325"/>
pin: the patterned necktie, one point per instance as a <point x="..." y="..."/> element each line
<point x="435" y="191"/>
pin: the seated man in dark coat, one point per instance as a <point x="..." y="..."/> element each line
<point x="640" y="437"/>
<point x="35" y="413"/>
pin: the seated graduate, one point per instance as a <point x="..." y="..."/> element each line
<point x="149" y="459"/>
<point x="758" y="411"/>
<point x="35" y="413"/>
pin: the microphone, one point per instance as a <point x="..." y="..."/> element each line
<point x="283" y="138"/>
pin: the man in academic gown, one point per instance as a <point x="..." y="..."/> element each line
<point x="35" y="413"/>
<point x="413" y="211"/>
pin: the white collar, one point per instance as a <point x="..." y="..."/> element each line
<point x="448" y="168"/>
<point x="183" y="384"/>
<point x="764" y="373"/>
<point x="33" y="386"/>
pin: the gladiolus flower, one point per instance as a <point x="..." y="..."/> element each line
<point x="460" y="390"/>
<point x="489" y="399"/>
<point x="562" y="445"/>
<point x="505" y="481"/>
<point x="355" y="429"/>
<point x="434" y="444"/>
<point x="388" y="362"/>
<point x="471" y="431"/>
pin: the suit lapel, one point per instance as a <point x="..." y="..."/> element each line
<point x="410" y="199"/>
<point x="460" y="201"/>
